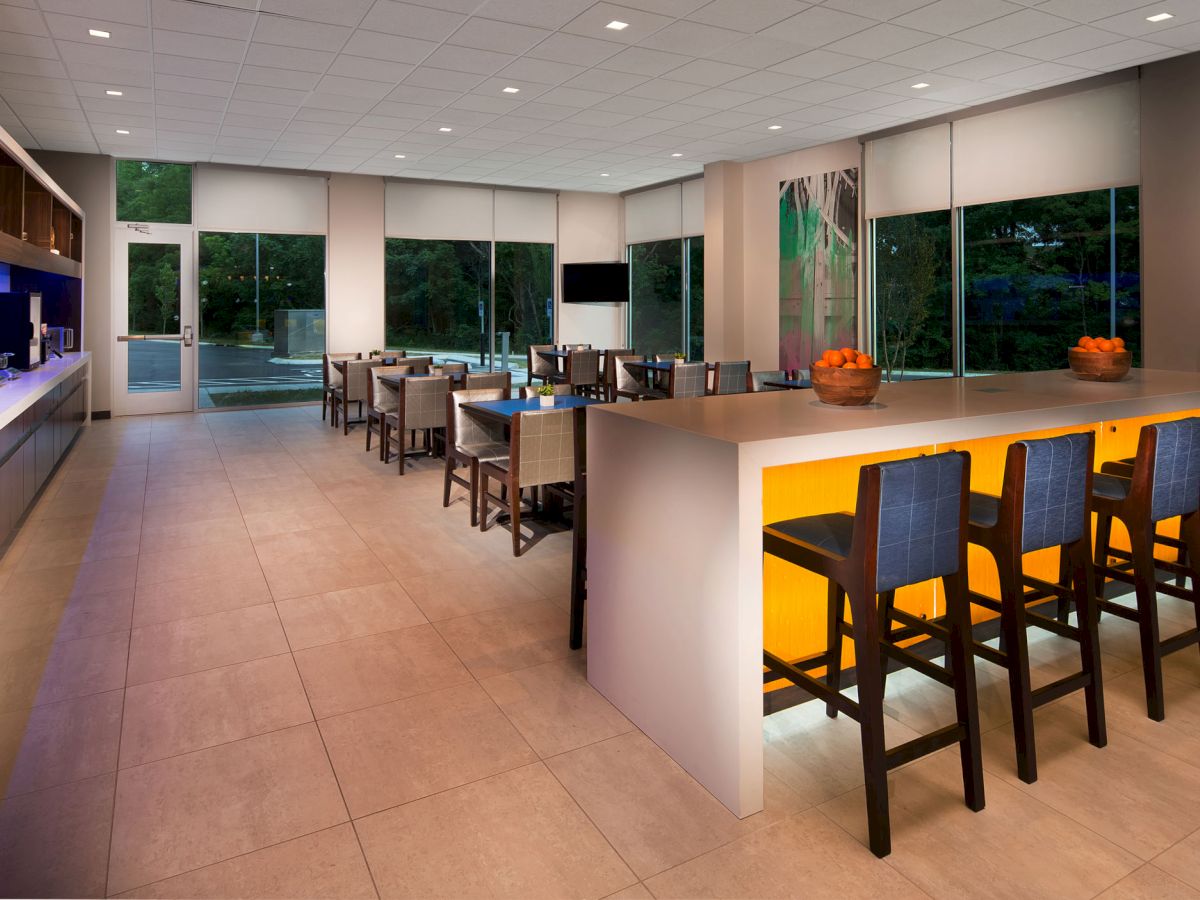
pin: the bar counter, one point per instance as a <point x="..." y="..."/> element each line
<point x="679" y="600"/>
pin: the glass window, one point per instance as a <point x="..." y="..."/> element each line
<point x="154" y="192"/>
<point x="1040" y="273"/>
<point x="656" y="298"/>
<point x="436" y="296"/>
<point x="913" y="290"/>
<point x="694" y="246"/>
<point x="262" y="318"/>
<point x="524" y="302"/>
<point x="154" y="272"/>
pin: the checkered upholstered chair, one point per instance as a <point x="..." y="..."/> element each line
<point x="664" y="357"/>
<point x="471" y="440"/>
<point x="457" y="372"/>
<point x="758" y="380"/>
<point x="540" y="366"/>
<point x="1045" y="502"/>
<point x="541" y="452"/>
<point x="909" y="526"/>
<point x="331" y="379"/>
<point x="381" y="400"/>
<point x="608" y="372"/>
<point x="420" y="364"/>
<point x="1162" y="484"/>
<point x="531" y="390"/>
<point x="352" y="390"/>
<point x="476" y="380"/>
<point x="420" y="406"/>
<point x="730" y="377"/>
<point x="583" y="372"/>
<point x="688" y="380"/>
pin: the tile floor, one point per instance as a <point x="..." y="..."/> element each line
<point x="239" y="657"/>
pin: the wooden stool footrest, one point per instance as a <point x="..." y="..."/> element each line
<point x="1180" y="641"/>
<point x="1062" y="629"/>
<point x="1116" y="609"/>
<point x="1055" y="689"/>
<point x="817" y="688"/>
<point x="922" y="665"/>
<point x="925" y="744"/>
<point x="932" y="627"/>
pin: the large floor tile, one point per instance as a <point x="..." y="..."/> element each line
<point x="802" y="855"/>
<point x="402" y="751"/>
<point x="325" y="864"/>
<point x="61" y="671"/>
<point x="502" y="640"/>
<point x="377" y="669"/>
<point x="204" y="642"/>
<point x="350" y="613"/>
<point x="317" y="561"/>
<point x="554" y="707"/>
<point x="1183" y="860"/>
<point x="653" y="812"/>
<point x="189" y="811"/>
<point x="60" y="742"/>
<point x="191" y="712"/>
<point x="199" y="596"/>
<point x="54" y="843"/>
<point x="1149" y="883"/>
<point x="949" y="851"/>
<point x="186" y="533"/>
<point x="460" y="592"/>
<point x="189" y="560"/>
<point x="517" y="834"/>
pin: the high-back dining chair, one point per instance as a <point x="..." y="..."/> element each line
<point x="353" y="390"/>
<point x="381" y="400"/>
<point x="331" y="379"/>
<point x="757" y="381"/>
<point x="688" y="380"/>
<point x="420" y="406"/>
<point x="730" y="377"/>
<point x="541" y="452"/>
<point x="471" y="440"/>
<point x="608" y="372"/>
<point x="583" y="371"/>
<point x="420" y="364"/>
<point x="477" y="380"/>
<point x="626" y="383"/>
<point x="539" y="366"/>
<point x="457" y="372"/>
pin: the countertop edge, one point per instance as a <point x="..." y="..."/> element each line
<point x="18" y="395"/>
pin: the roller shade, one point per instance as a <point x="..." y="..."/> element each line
<point x="654" y="215"/>
<point x="437" y="212"/>
<point x="908" y="172"/>
<point x="526" y="216"/>
<point x="693" y="207"/>
<point x="228" y="199"/>
<point x="1078" y="142"/>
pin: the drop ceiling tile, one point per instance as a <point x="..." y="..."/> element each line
<point x="579" y="99"/>
<point x="50" y="68"/>
<point x="764" y="82"/>
<point x="455" y="116"/>
<point x="496" y="105"/>
<point x="288" y="32"/>
<point x="1184" y="37"/>
<point x="27" y="45"/>
<point x="1136" y="24"/>
<point x="213" y="70"/>
<point x="720" y="98"/>
<point x="502" y="37"/>
<point x="1064" y="43"/>
<point x="188" y="113"/>
<point x="38" y="98"/>
<point x="640" y="23"/>
<point x="15" y="20"/>
<point x="864" y="101"/>
<point x="601" y="80"/>
<point x="749" y="16"/>
<point x="280" y="78"/>
<point x="665" y="89"/>
<point x="542" y="71"/>
<point x="81" y="70"/>
<point x="258" y="108"/>
<point x="110" y="57"/>
<point x="421" y="96"/>
<point x="86" y="89"/>
<point x="547" y="112"/>
<point x="879" y="41"/>
<point x="629" y="105"/>
<point x="240" y="120"/>
<point x="199" y="46"/>
<point x="643" y="61"/>
<point x="936" y="53"/>
<point x="730" y="119"/>
<point x="188" y="125"/>
<point x="597" y="117"/>
<point x="277" y="57"/>
<point x="298" y="127"/>
<point x="691" y="37"/>
<point x="64" y="86"/>
<point x="261" y="134"/>
<point x="540" y="13"/>
<point x="756" y="52"/>
<point x="708" y="72"/>
<point x="1089" y="10"/>
<point x="406" y="19"/>
<point x="819" y="92"/>
<point x="492" y="90"/>
<point x="388" y="123"/>
<point x="946" y="17"/>
<point x="341" y="102"/>
<point x="1024" y="25"/>
<point x="128" y="12"/>
<point x="818" y="64"/>
<point x="343" y="12"/>
<point x="466" y="59"/>
<point x="818" y="26"/>
<point x="187" y="85"/>
<point x="1113" y="56"/>
<point x="197" y="101"/>
<point x="202" y="18"/>
<point x="988" y="66"/>
<point x="441" y="79"/>
<point x="573" y="49"/>
<point x="75" y="28"/>
<point x="268" y="94"/>
<point x="916" y="108"/>
<point x="369" y="69"/>
<point x="354" y="87"/>
<point x="767" y="106"/>
<point x="391" y="47"/>
<point x="873" y="74"/>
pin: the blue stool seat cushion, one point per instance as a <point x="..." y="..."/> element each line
<point x="1111" y="487"/>
<point x="831" y="531"/>
<point x="984" y="510"/>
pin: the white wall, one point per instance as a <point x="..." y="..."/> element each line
<point x="590" y="229"/>
<point x="354" y="305"/>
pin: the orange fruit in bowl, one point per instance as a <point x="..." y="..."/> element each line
<point x="825" y="356"/>
<point x="1094" y="348"/>
<point x="1119" y="343"/>
<point x="850" y="365"/>
<point x="850" y="353"/>
<point x="836" y="359"/>
<point x="1104" y="345"/>
<point x="1090" y="344"/>
<point x="820" y="364"/>
<point x="1083" y="342"/>
<point x="865" y="361"/>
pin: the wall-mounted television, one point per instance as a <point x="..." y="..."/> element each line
<point x="598" y="282"/>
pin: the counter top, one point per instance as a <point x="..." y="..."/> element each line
<point x="917" y="412"/>
<point x="17" y="395"/>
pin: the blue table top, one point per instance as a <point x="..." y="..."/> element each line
<point x="505" y="408"/>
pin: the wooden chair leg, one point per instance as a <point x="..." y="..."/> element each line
<point x="833" y="641"/>
<point x="1103" y="537"/>
<point x="1012" y="624"/>
<point x="385" y="440"/>
<point x="966" y="700"/>
<point x="474" y="468"/>
<point x="1144" y="573"/>
<point x="887" y="602"/>
<point x="345" y="418"/>
<point x="483" y="500"/>
<point x="446" y="483"/>
<point x="1082" y="577"/>
<point x="515" y="518"/>
<point x="324" y="405"/>
<point x="1189" y="533"/>
<point x="870" y="708"/>
<point x="1064" y="577"/>
<point x="368" y="435"/>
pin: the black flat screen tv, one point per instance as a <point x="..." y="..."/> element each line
<point x="601" y="282"/>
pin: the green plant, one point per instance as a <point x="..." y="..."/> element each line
<point x="376" y="353"/>
<point x="680" y="356"/>
<point x="546" y="390"/>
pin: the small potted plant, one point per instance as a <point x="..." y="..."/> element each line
<point x="375" y="353"/>
<point x="436" y="370"/>
<point x="680" y="359"/>
<point x="546" y="395"/>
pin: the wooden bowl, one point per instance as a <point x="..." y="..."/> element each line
<point x="845" y="387"/>
<point x="1089" y="366"/>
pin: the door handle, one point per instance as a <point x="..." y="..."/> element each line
<point x="187" y="335"/>
<point x="124" y="338"/>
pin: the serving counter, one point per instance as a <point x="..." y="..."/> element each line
<point x="40" y="413"/>
<point x="679" y="600"/>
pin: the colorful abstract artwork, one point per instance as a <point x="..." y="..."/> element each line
<point x="818" y="265"/>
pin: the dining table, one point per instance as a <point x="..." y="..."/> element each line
<point x="504" y="410"/>
<point x="790" y="384"/>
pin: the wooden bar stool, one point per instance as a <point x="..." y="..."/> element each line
<point x="1164" y="483"/>
<point x="910" y="525"/>
<point x="1044" y="502"/>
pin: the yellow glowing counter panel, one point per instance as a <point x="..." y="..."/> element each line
<point x="679" y="599"/>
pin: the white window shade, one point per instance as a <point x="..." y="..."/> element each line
<point x="433" y="211"/>
<point x="526" y="216"/>
<point x="693" y="207"/>
<point x="654" y="215"/>
<point x="908" y="172"/>
<point x="229" y="199"/>
<point x="1077" y="142"/>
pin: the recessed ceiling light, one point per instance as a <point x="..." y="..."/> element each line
<point x="603" y="174"/>
<point x="115" y="93"/>
<point x="96" y="32"/>
<point x="774" y="127"/>
<point x="445" y="129"/>
<point x="400" y="156"/>
<point x="676" y="155"/>
<point x="617" y="25"/>
<point x="921" y="85"/>
<point x="512" y="90"/>
<point x="1159" y="17"/>
<point x="122" y="131"/>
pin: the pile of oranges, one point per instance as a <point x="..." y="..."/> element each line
<point x="1100" y="345"/>
<point x="846" y="358"/>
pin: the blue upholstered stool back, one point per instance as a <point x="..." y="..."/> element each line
<point x="1176" y="489"/>
<point x="1055" y="496"/>
<point x="919" y="509"/>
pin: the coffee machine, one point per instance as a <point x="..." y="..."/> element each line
<point x="21" y="328"/>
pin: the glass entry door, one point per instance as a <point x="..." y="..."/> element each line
<point x="155" y="320"/>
